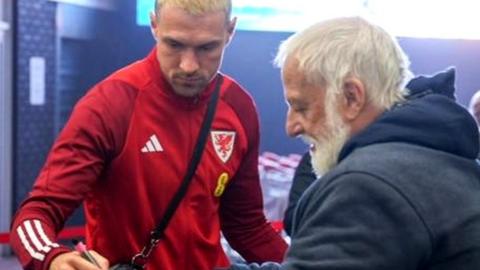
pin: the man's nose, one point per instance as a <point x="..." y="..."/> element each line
<point x="293" y="127"/>
<point x="189" y="62"/>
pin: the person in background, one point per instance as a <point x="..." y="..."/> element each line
<point x="302" y="179"/>
<point x="396" y="191"/>
<point x="125" y="150"/>
<point x="474" y="109"/>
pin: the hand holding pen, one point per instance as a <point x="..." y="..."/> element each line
<point x="88" y="259"/>
<point x="82" y="249"/>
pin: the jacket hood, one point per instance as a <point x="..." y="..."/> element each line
<point x="442" y="83"/>
<point x="430" y="118"/>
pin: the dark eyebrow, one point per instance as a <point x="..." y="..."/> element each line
<point x="172" y="40"/>
<point x="210" y="43"/>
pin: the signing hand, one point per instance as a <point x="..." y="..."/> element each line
<point x="73" y="261"/>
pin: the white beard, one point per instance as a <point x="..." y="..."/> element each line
<point x="327" y="147"/>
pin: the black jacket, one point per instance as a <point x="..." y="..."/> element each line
<point x="302" y="179"/>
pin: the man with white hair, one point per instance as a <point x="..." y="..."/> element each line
<point x="474" y="106"/>
<point x="397" y="191"/>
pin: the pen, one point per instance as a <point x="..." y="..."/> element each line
<point x="80" y="247"/>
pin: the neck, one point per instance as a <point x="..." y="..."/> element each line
<point x="368" y="115"/>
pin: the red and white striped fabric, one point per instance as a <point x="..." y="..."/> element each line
<point x="276" y="175"/>
<point x="34" y="239"/>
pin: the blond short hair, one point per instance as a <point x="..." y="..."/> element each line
<point x="197" y="6"/>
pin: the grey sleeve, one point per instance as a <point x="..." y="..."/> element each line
<point x="357" y="222"/>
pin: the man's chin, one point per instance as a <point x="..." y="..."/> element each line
<point x="186" y="91"/>
<point x="321" y="161"/>
<point x="326" y="151"/>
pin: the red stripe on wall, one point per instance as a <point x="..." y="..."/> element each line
<point x="67" y="233"/>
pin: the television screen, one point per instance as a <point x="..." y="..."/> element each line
<point x="410" y="18"/>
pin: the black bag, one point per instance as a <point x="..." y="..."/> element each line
<point x="139" y="260"/>
<point x="123" y="267"/>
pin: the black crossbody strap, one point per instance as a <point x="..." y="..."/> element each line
<point x="140" y="259"/>
<point x="196" y="156"/>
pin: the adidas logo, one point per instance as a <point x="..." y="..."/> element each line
<point x="152" y="145"/>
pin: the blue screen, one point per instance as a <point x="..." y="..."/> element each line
<point x="143" y="10"/>
<point x="252" y="15"/>
<point x="293" y="15"/>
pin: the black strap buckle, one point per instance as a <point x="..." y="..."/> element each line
<point x="140" y="260"/>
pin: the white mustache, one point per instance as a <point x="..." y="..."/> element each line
<point x="307" y="139"/>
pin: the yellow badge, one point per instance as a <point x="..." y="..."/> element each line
<point x="221" y="183"/>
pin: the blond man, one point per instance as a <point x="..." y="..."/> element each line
<point x="125" y="151"/>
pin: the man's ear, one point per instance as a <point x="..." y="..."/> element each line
<point x="231" y="29"/>
<point x="354" y="98"/>
<point x="153" y="24"/>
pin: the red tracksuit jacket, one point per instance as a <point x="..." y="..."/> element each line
<point x="124" y="152"/>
